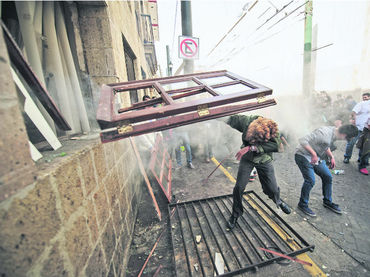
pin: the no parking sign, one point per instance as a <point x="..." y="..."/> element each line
<point x="188" y="48"/>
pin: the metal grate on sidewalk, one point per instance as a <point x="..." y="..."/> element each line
<point x="199" y="234"/>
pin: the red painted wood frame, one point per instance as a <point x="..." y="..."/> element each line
<point x="213" y="90"/>
<point x="161" y="166"/>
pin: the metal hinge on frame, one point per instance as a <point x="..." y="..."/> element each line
<point x="203" y="110"/>
<point x="124" y="129"/>
<point x="261" y="98"/>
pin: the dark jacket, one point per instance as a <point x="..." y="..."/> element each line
<point x="364" y="141"/>
<point x="265" y="150"/>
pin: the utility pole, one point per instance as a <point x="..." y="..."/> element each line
<point x="307" y="71"/>
<point x="187" y="30"/>
<point x="314" y="56"/>
<point x="169" y="63"/>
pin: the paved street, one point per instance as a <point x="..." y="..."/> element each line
<point x="351" y="191"/>
<point x="342" y="244"/>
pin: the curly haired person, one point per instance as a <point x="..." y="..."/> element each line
<point x="260" y="138"/>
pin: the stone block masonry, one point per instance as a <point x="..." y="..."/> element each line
<point x="76" y="219"/>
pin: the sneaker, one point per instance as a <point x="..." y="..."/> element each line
<point x="190" y="165"/>
<point x="332" y="206"/>
<point x="346" y="160"/>
<point x="208" y="160"/>
<point x="307" y="211"/>
<point x="179" y="166"/>
<point x="364" y="171"/>
<point x="285" y="208"/>
<point x="231" y="222"/>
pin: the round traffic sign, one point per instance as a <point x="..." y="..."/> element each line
<point x="188" y="47"/>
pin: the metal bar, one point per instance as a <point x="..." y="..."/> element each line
<point x="195" y="243"/>
<point x="262" y="215"/>
<point x="251" y="229"/>
<point x="237" y="239"/>
<point x="245" y="235"/>
<point x="142" y="170"/>
<point x="271" y="238"/>
<point x="152" y="163"/>
<point x="157" y="271"/>
<point x="162" y="167"/>
<point x="166" y="98"/>
<point x="287" y="257"/>
<point x="222" y="231"/>
<point x="170" y="215"/>
<point x="183" y="240"/>
<point x="283" y="221"/>
<point x="271" y="261"/>
<point x="213" y="234"/>
<point x="172" y="122"/>
<point x="169" y="180"/>
<point x="205" y="239"/>
<point x="286" y="238"/>
<point x="154" y="154"/>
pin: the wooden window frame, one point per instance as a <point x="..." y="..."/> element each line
<point x="142" y="117"/>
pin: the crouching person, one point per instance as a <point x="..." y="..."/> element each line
<point x="309" y="158"/>
<point x="260" y="138"/>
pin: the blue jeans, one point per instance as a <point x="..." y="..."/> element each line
<point x="184" y="137"/>
<point x="308" y="171"/>
<point x="350" y="145"/>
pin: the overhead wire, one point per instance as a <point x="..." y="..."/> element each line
<point x="174" y="30"/>
<point x="264" y="12"/>
<point x="227" y="56"/>
<point x="275" y="14"/>
<point x="287" y="15"/>
<point x="236" y="23"/>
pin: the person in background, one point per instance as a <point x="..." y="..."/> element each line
<point x="310" y="155"/>
<point x="181" y="137"/>
<point x="146" y="97"/>
<point x="208" y="144"/>
<point x="260" y="139"/>
<point x="350" y="103"/>
<point x="359" y="116"/>
<point x="363" y="144"/>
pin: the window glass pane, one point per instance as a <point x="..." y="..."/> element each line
<point x="179" y="85"/>
<point x="216" y="80"/>
<point x="193" y="97"/>
<point x="232" y="89"/>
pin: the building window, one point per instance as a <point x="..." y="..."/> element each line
<point x="130" y="68"/>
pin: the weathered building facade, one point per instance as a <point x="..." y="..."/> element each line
<point x="72" y="215"/>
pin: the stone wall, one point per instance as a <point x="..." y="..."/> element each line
<point x="76" y="219"/>
<point x="74" y="216"/>
<point x="14" y="149"/>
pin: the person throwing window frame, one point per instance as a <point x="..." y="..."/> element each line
<point x="260" y="138"/>
<point x="309" y="157"/>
